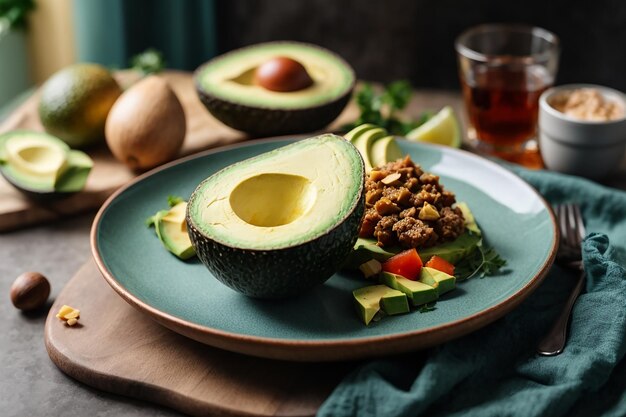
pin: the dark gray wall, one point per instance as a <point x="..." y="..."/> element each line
<point x="414" y="39"/>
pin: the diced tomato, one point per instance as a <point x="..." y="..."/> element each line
<point x="407" y="263"/>
<point x="440" y="264"/>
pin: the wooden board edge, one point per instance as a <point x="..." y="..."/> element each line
<point x="123" y="386"/>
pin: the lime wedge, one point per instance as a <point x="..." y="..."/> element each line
<point x="443" y="129"/>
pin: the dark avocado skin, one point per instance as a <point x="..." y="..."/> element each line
<point x="260" y="122"/>
<point x="284" y="272"/>
<point x="36" y="195"/>
<point x="70" y="96"/>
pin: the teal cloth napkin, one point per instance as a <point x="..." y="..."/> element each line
<point x="495" y="371"/>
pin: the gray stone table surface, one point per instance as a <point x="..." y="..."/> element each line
<point x="30" y="384"/>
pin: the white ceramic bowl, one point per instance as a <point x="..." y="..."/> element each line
<point x="591" y="149"/>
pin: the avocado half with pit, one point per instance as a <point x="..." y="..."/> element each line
<point x="228" y="88"/>
<point x="42" y="166"/>
<point x="280" y="223"/>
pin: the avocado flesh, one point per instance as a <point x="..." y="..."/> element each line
<point x="385" y="150"/>
<point x="282" y="222"/>
<point x="36" y="156"/>
<point x="437" y="279"/>
<point x="417" y="292"/>
<point x="364" y="250"/>
<point x="452" y="251"/>
<point x="171" y="228"/>
<point x="364" y="143"/>
<point x="370" y="300"/>
<point x="357" y="131"/>
<point x="470" y="221"/>
<point x="75" y="176"/>
<point x="37" y="163"/>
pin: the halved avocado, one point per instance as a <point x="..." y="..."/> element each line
<point x="226" y="86"/>
<point x="42" y="166"/>
<point x="282" y="222"/>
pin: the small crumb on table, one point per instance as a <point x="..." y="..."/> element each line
<point x="69" y="315"/>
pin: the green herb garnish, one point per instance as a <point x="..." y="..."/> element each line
<point x="482" y="262"/>
<point x="148" y="62"/>
<point x="172" y="200"/>
<point x="13" y="14"/>
<point x="381" y="109"/>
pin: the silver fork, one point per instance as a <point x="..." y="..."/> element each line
<point x="569" y="255"/>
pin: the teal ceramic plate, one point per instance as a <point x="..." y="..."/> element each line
<point x="321" y="325"/>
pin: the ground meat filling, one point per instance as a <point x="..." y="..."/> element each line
<point x="408" y="207"/>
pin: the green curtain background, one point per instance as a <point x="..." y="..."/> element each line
<point x="110" y="32"/>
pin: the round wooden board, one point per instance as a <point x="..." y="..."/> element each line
<point x="117" y="349"/>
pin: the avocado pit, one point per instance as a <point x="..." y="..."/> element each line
<point x="269" y="200"/>
<point x="283" y="74"/>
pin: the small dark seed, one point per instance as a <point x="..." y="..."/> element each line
<point x="30" y="291"/>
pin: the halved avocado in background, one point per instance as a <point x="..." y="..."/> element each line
<point x="226" y="85"/>
<point x="280" y="223"/>
<point x="42" y="166"/>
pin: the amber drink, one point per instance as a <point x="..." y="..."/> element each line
<point x="503" y="70"/>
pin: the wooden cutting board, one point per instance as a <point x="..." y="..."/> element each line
<point x="203" y="132"/>
<point x="117" y="349"/>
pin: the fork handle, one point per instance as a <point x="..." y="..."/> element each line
<point x="554" y="341"/>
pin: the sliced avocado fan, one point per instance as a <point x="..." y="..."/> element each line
<point x="375" y="144"/>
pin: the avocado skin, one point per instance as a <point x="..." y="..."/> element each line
<point x="36" y="195"/>
<point x="70" y="98"/>
<point x="284" y="272"/>
<point x="257" y="121"/>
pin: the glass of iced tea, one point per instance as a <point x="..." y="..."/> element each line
<point x="503" y="71"/>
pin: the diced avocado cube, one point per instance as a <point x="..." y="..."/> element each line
<point x="394" y="302"/>
<point x="369" y="301"/>
<point x="364" y="250"/>
<point x="437" y="279"/>
<point x="418" y="292"/>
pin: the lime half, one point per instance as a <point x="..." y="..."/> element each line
<point x="443" y="128"/>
